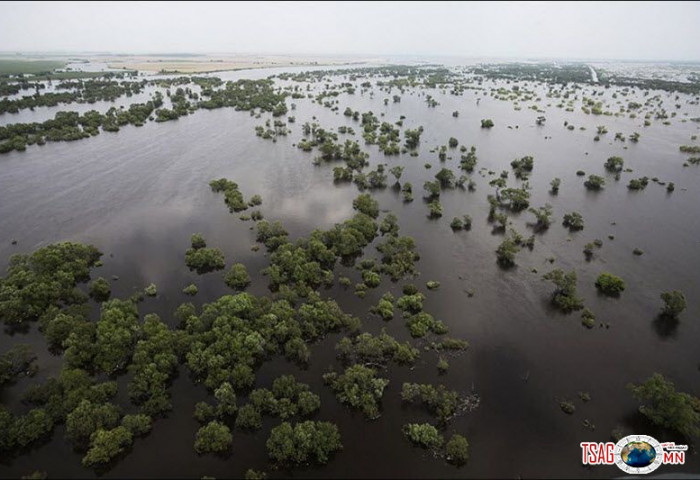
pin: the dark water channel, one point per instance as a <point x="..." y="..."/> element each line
<point x="140" y="193"/>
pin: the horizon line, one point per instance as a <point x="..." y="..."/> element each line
<point x="288" y="54"/>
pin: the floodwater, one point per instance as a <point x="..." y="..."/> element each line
<point x="140" y="193"/>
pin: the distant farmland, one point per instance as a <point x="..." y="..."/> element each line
<point x="15" y="67"/>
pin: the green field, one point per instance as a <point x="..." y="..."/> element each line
<point x="15" y="67"/>
<point x="46" y="69"/>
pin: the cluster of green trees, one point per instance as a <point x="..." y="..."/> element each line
<point x="46" y="278"/>
<point x="387" y="140"/>
<point x="7" y="89"/>
<point x="360" y="388"/>
<point x="556" y="74"/>
<point x="666" y="407"/>
<point x="286" y="399"/>
<point x="609" y="284"/>
<point x="93" y="424"/>
<point x="468" y="160"/>
<point x="67" y="126"/>
<point x="115" y="337"/>
<point x="427" y="436"/>
<point x="523" y="167"/>
<point x="543" y="216"/>
<point x="82" y="91"/>
<point x="19" y="432"/>
<point x="614" y="164"/>
<point x="555" y="183"/>
<point x="375" y="350"/>
<point x="638" y="183"/>
<point x="248" y="95"/>
<point x="17" y="362"/>
<point x="234" y="334"/>
<point x="418" y="322"/>
<point x="202" y="259"/>
<point x="506" y="251"/>
<point x="222" y="346"/>
<point x="214" y="437"/>
<point x="594" y="182"/>
<point x="100" y="290"/>
<point x="303" y="443"/>
<point x="157" y="354"/>
<point x="385" y="307"/>
<point x="424" y="435"/>
<point x="445" y="178"/>
<point x="367" y="205"/>
<point x="232" y="195"/>
<point x="515" y="199"/>
<point x="206" y="83"/>
<point x="565" y="296"/>
<point x="573" y="220"/>
<point x="70" y="126"/>
<point x="50" y="99"/>
<point x="690" y="148"/>
<point x="413" y="137"/>
<point x="272" y="235"/>
<point x="440" y="401"/>
<point x="398" y="257"/>
<point x="464" y="223"/>
<point x="330" y="149"/>
<point x="309" y="262"/>
<point x="674" y="304"/>
<point x="277" y="129"/>
<point x="237" y="277"/>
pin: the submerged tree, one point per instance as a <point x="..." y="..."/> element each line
<point x="303" y="443"/>
<point x="214" y="437"/>
<point x="543" y="215"/>
<point x="506" y="251"/>
<point x="106" y="445"/>
<point x="237" y="277"/>
<point x="100" y="290"/>
<point x="424" y="435"/>
<point x="360" y="388"/>
<point x="202" y="259"/>
<point x="397" y="171"/>
<point x="555" y="185"/>
<point x="564" y="297"/>
<point x="573" y="220"/>
<point x="614" y="164"/>
<point x="674" y="303"/>
<point x="610" y="284"/>
<point x="457" y="450"/>
<point x="367" y="205"/>
<point x="666" y="407"/>
<point x="594" y="182"/>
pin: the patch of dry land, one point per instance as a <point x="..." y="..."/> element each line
<point x="212" y="63"/>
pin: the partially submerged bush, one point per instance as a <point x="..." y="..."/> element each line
<point x="610" y="284"/>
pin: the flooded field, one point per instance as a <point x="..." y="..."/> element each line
<point x="139" y="194"/>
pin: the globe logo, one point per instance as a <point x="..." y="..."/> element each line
<point x="638" y="454"/>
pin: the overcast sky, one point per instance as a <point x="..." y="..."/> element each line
<point x="605" y="30"/>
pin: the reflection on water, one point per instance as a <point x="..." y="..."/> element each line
<point x="139" y="195"/>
